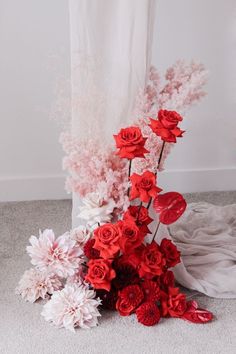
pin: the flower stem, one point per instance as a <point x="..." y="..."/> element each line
<point x="160" y="157"/>
<point x="140" y="206"/>
<point x="130" y="163"/>
<point x="156" y="231"/>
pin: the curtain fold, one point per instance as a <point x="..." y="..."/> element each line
<point x="111" y="44"/>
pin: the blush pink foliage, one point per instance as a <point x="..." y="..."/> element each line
<point x="182" y="88"/>
<point x="107" y="172"/>
<point x="60" y="255"/>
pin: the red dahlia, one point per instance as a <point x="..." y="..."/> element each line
<point x="89" y="251"/>
<point x="125" y="275"/>
<point x="148" y="314"/>
<point x="151" y="290"/>
<point x="132" y="295"/>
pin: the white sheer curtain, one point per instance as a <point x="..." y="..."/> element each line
<point x="111" y="44"/>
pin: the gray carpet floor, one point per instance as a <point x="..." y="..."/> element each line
<point x="23" y="330"/>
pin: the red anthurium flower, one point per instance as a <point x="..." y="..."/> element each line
<point x="130" y="143"/>
<point x="140" y="216"/>
<point x="195" y="314"/>
<point x="166" y="125"/>
<point x="170" y="206"/>
<point x="144" y="186"/>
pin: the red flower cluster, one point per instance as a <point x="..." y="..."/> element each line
<point x="166" y="126"/>
<point x="130" y="274"/>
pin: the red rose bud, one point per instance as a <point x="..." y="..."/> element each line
<point x="130" y="143"/>
<point x="144" y="186"/>
<point x="151" y="261"/>
<point x="170" y="206"/>
<point x="89" y="251"/>
<point x="170" y="252"/>
<point x="140" y="216"/>
<point x="166" y="125"/>
<point x="148" y="314"/>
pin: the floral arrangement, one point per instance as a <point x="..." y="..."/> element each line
<point x="114" y="262"/>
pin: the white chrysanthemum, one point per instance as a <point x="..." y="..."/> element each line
<point x="96" y="210"/>
<point x="35" y="284"/>
<point x="74" y="306"/>
<point x="60" y="256"/>
<point x="81" y="235"/>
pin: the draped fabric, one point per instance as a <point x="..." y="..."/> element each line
<point x="110" y="56"/>
<point x="206" y="238"/>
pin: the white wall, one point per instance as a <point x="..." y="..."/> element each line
<point x="34" y="44"/>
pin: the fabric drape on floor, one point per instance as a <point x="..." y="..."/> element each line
<point x="111" y="44"/>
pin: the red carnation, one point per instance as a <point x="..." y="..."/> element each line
<point x="89" y="251"/>
<point x="151" y="261"/>
<point x="128" y="299"/>
<point x="170" y="252"/>
<point x="131" y="143"/>
<point x="107" y="240"/>
<point x="144" y="186"/>
<point x="166" y="125"/>
<point x="100" y="274"/>
<point x="148" y="314"/>
<point x="173" y="303"/>
<point x="140" y="216"/>
<point x="131" y="236"/>
<point x="151" y="290"/>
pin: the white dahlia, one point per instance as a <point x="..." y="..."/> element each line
<point x="35" y="284"/>
<point x="74" y="306"/>
<point x="81" y="235"/>
<point x="60" y="256"/>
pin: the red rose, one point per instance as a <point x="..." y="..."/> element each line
<point x="107" y="240"/>
<point x="133" y="258"/>
<point x="100" y="274"/>
<point x="128" y="299"/>
<point x="148" y="314"/>
<point x="170" y="206"/>
<point x="151" y="261"/>
<point x="151" y="290"/>
<point x="170" y="252"/>
<point x="174" y="303"/>
<point x="89" y="251"/>
<point x="131" y="142"/>
<point x="131" y="236"/>
<point x="140" y="216"/>
<point x="144" y="186"/>
<point x="195" y="314"/>
<point x="167" y="279"/>
<point x="166" y="125"/>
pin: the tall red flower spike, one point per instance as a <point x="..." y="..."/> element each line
<point x="170" y="206"/>
<point x="195" y="314"/>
